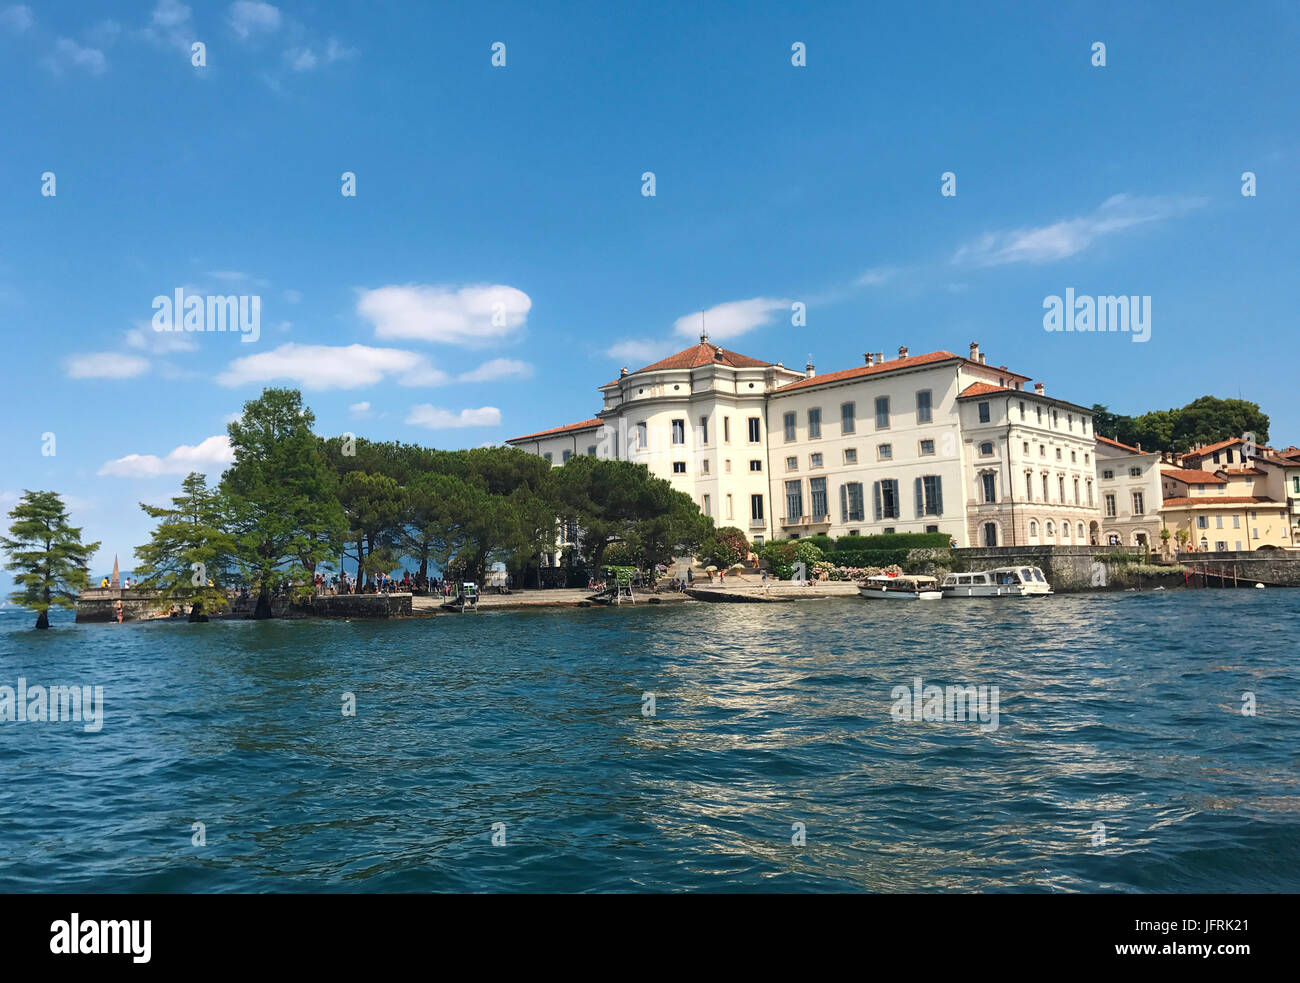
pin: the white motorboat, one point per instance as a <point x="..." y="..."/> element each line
<point x="998" y="582"/>
<point x="902" y="588"/>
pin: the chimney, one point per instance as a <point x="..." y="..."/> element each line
<point x="902" y="351"/>
<point x="974" y="351"/>
<point x="981" y="358"/>
<point x="809" y="371"/>
<point x="622" y="372"/>
<point x="870" y="359"/>
<point x="1139" y="447"/>
<point x="880" y="358"/>
<point x="1040" y="389"/>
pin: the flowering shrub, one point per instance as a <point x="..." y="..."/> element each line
<point x="826" y="570"/>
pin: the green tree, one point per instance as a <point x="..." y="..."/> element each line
<point x="375" y="506"/>
<point x="46" y="555"/>
<point x="190" y="547"/>
<point x="285" y="513"/>
<point x="1209" y="419"/>
<point x="726" y="547"/>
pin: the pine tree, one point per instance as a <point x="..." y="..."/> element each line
<point x="190" y="548"/>
<point x="47" y="555"/>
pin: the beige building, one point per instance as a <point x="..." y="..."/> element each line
<point x="934" y="442"/>
<point x="1222" y="510"/>
<point x="1130" y="495"/>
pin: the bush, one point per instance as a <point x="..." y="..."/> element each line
<point x="894" y="541"/>
<point x="725" y="547"/>
<point x="870" y="558"/>
<point x="821" y="541"/>
<point x="782" y="554"/>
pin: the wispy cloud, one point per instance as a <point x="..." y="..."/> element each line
<point x="69" y="55"/>
<point x="1068" y="237"/>
<point x="471" y="315"/>
<point x="641" y="351"/>
<point x="17" y="18"/>
<point x="435" y="418"/>
<point x="215" y="450"/>
<point x="359" y="410"/>
<point x="170" y="26"/>
<point x="497" y="369"/>
<point x="732" y="319"/>
<point x="249" y="19"/>
<point x="104" y="365"/>
<point x="333" y="367"/>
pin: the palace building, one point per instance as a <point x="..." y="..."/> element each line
<point x="935" y="442"/>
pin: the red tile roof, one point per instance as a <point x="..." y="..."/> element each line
<point x="1211" y="448"/>
<point x="1123" y="447"/>
<point x="705" y="354"/>
<point x="983" y="389"/>
<point x="1193" y="477"/>
<point x="556" y="431"/>
<point x="911" y="362"/>
<point x="1222" y="500"/>
<point x="1241" y="470"/>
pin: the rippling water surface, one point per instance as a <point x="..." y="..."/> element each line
<point x="1119" y="709"/>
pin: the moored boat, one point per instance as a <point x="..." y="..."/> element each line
<point x="997" y="582"/>
<point x="906" y="587"/>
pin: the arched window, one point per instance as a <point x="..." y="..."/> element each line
<point x="1082" y="534"/>
<point x="1051" y="529"/>
<point x="1033" y="527"/>
<point x="1065" y="530"/>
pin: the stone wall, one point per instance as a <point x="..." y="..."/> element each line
<point x="1068" y="568"/>
<point x="1280" y="567"/>
<point x="99" y="604"/>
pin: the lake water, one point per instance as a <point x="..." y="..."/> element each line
<point x="1123" y="710"/>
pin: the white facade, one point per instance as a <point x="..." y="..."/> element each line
<point x="904" y="445"/>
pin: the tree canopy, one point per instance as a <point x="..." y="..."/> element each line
<point x="1203" y="421"/>
<point x="46" y="555"/>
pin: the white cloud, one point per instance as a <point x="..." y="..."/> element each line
<point x="424" y="415"/>
<point x="360" y="409"/>
<point x="67" y="54"/>
<point x="248" y="18"/>
<point x="496" y="369"/>
<point x="732" y="319"/>
<point x="300" y="59"/>
<point x="877" y="276"/>
<point x="104" y="365"/>
<point x="333" y="367"/>
<point x="304" y="59"/>
<point x="144" y="338"/>
<point x="215" y="450"/>
<point x="170" y="26"/>
<point x="17" y="18"/>
<point x="641" y="351"/>
<point x="1060" y="240"/>
<point x="466" y="316"/>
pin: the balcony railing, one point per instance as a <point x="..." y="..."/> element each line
<point x="805" y="521"/>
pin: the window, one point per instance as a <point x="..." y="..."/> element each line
<point x="990" y="534"/>
<point x="885" y="452"/>
<point x="986" y="449"/>
<point x="706" y="506"/>
<point x="1033" y="529"/>
<point x="1202" y="522"/>
<point x="888" y="530"/>
<point x="679" y="431"/>
<point x="882" y="412"/>
<point x="704" y="466"/>
<point x="756" y="508"/>
<point x="1074" y="458"/>
<point x="1089" y="484"/>
<point x="923" y="406"/>
<point x="1051" y="528"/>
<point x="984" y="412"/>
<point x="1085" y="457"/>
<point x="1236" y="522"/>
<point x="848" y="422"/>
<point x="755" y="431"/>
<point x="851" y="502"/>
<point x="755" y="464"/>
<point x="1138" y="504"/>
<point x="990" y="481"/>
<point x="726" y="429"/>
<point x="884" y="499"/>
<point x="1056" y="419"/>
<point x="931" y="528"/>
<point x="1107" y="474"/>
<point x="1040" y="413"/>
<point x="1042" y="450"/>
<point x="1026" y="444"/>
<point x="679" y="467"/>
<point x="1295" y="484"/>
<point x="1135" y="472"/>
<point x="1045" y="492"/>
<point x="792" y="464"/>
<point x="1022" y="415"/>
<point x="814" y="460"/>
<point x="1029" y="486"/>
<point x="642" y="436"/>
<point x="1218" y="522"/>
<point x="789" y="420"/>
<point x="1254" y="533"/>
<point x="547" y="455"/>
<point x="793" y="500"/>
<point x="591" y="451"/>
<point x="814" y="423"/>
<point x="1221" y="545"/>
<point x="927" y="448"/>
<point x="1058" y="453"/>
<point x="850" y="455"/>
<point x="726" y="465"/>
<point x="704" y="430"/>
<point x="1060" y="487"/>
<point x="1076" y="491"/>
<point x="817" y="493"/>
<point x="729" y="508"/>
<point x="929" y="495"/>
<point x="564" y="456"/>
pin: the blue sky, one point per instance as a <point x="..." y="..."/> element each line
<point x="499" y="260"/>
